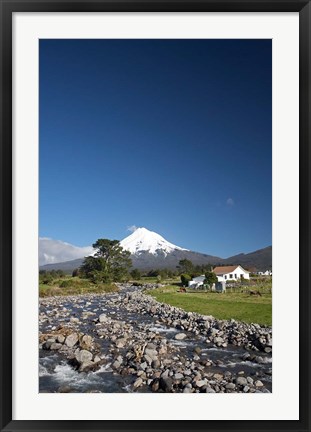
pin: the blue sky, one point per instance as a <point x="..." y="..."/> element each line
<point x="172" y="135"/>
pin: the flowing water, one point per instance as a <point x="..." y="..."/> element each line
<point x="57" y="375"/>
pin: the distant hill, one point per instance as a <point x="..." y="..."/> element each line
<point x="260" y="259"/>
<point x="150" y="251"/>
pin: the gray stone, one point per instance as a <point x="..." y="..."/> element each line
<point x="56" y="346"/>
<point x="120" y="343"/>
<point x="48" y="343"/>
<point x="71" y="340"/>
<point x="86" y="366"/>
<point x="218" y="376"/>
<point x="155" y="385"/>
<point x="138" y="383"/>
<point x="209" y="390"/>
<point x="102" y="318"/>
<point x="187" y="390"/>
<point x="180" y="336"/>
<point x="61" y="338"/>
<point x="152" y="353"/>
<point x="144" y="365"/>
<point x="258" y="383"/>
<point x="241" y="381"/>
<point x="197" y="350"/>
<point x="230" y="386"/>
<point x="116" y="365"/>
<point x="200" y="383"/>
<point x="86" y="342"/>
<point x="156" y="364"/>
<point x="84" y="356"/>
<point x="166" y="384"/>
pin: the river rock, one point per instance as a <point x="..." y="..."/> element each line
<point x="116" y="365"/>
<point x="152" y="353"/>
<point x="166" y="384"/>
<point x="138" y="382"/>
<point x="180" y="336"/>
<point x="258" y="383"/>
<point x="56" y="346"/>
<point x="84" y="356"/>
<point x="200" y="383"/>
<point x="48" y="343"/>
<point x="120" y="343"/>
<point x="86" y="342"/>
<point x="87" y="366"/>
<point x="103" y="318"/>
<point x="187" y="390"/>
<point x="71" y="340"/>
<point x="241" y="381"/>
<point x="155" y="385"/>
<point x="218" y="376"/>
<point x="60" y="338"/>
<point x="209" y="390"/>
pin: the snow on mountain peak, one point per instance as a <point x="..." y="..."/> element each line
<point x="144" y="240"/>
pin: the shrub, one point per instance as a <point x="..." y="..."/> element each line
<point x="185" y="278"/>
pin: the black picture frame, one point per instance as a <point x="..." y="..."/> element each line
<point x="7" y="9"/>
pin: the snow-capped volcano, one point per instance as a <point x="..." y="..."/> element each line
<point x="143" y="240"/>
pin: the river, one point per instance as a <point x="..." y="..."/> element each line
<point x="191" y="357"/>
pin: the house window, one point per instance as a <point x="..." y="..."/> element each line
<point x="225" y="276"/>
<point x="235" y="275"/>
<point x="231" y="276"/>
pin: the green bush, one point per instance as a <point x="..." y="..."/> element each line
<point x="185" y="278"/>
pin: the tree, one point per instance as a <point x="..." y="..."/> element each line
<point x="185" y="278"/>
<point x="75" y="272"/>
<point x="135" y="274"/>
<point x="185" y="266"/>
<point x="110" y="263"/>
<point x="210" y="278"/>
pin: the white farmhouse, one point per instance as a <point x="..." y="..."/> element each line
<point x="265" y="273"/>
<point x="230" y="273"/>
<point x="196" y="282"/>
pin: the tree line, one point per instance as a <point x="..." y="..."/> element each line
<point x="111" y="263"/>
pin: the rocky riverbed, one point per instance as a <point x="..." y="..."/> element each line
<point x="129" y="342"/>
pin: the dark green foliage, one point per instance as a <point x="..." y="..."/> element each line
<point x="46" y="277"/>
<point x="185" y="266"/>
<point x="210" y="278"/>
<point x="153" y="273"/>
<point x="135" y="274"/>
<point x="110" y="263"/>
<point x="185" y="278"/>
<point x="75" y="272"/>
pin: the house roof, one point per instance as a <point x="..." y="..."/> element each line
<point x="198" y="278"/>
<point x="227" y="269"/>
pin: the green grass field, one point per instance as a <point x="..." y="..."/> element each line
<point x="72" y="286"/>
<point x="239" y="306"/>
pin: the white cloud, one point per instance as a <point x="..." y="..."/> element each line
<point x="55" y="251"/>
<point x="230" y="202"/>
<point x="132" y="228"/>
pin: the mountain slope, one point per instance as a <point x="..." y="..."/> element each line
<point x="261" y="259"/>
<point x="144" y="240"/>
<point x="149" y="251"/>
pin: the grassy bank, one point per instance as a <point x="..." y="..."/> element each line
<point x="73" y="286"/>
<point x="239" y="306"/>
